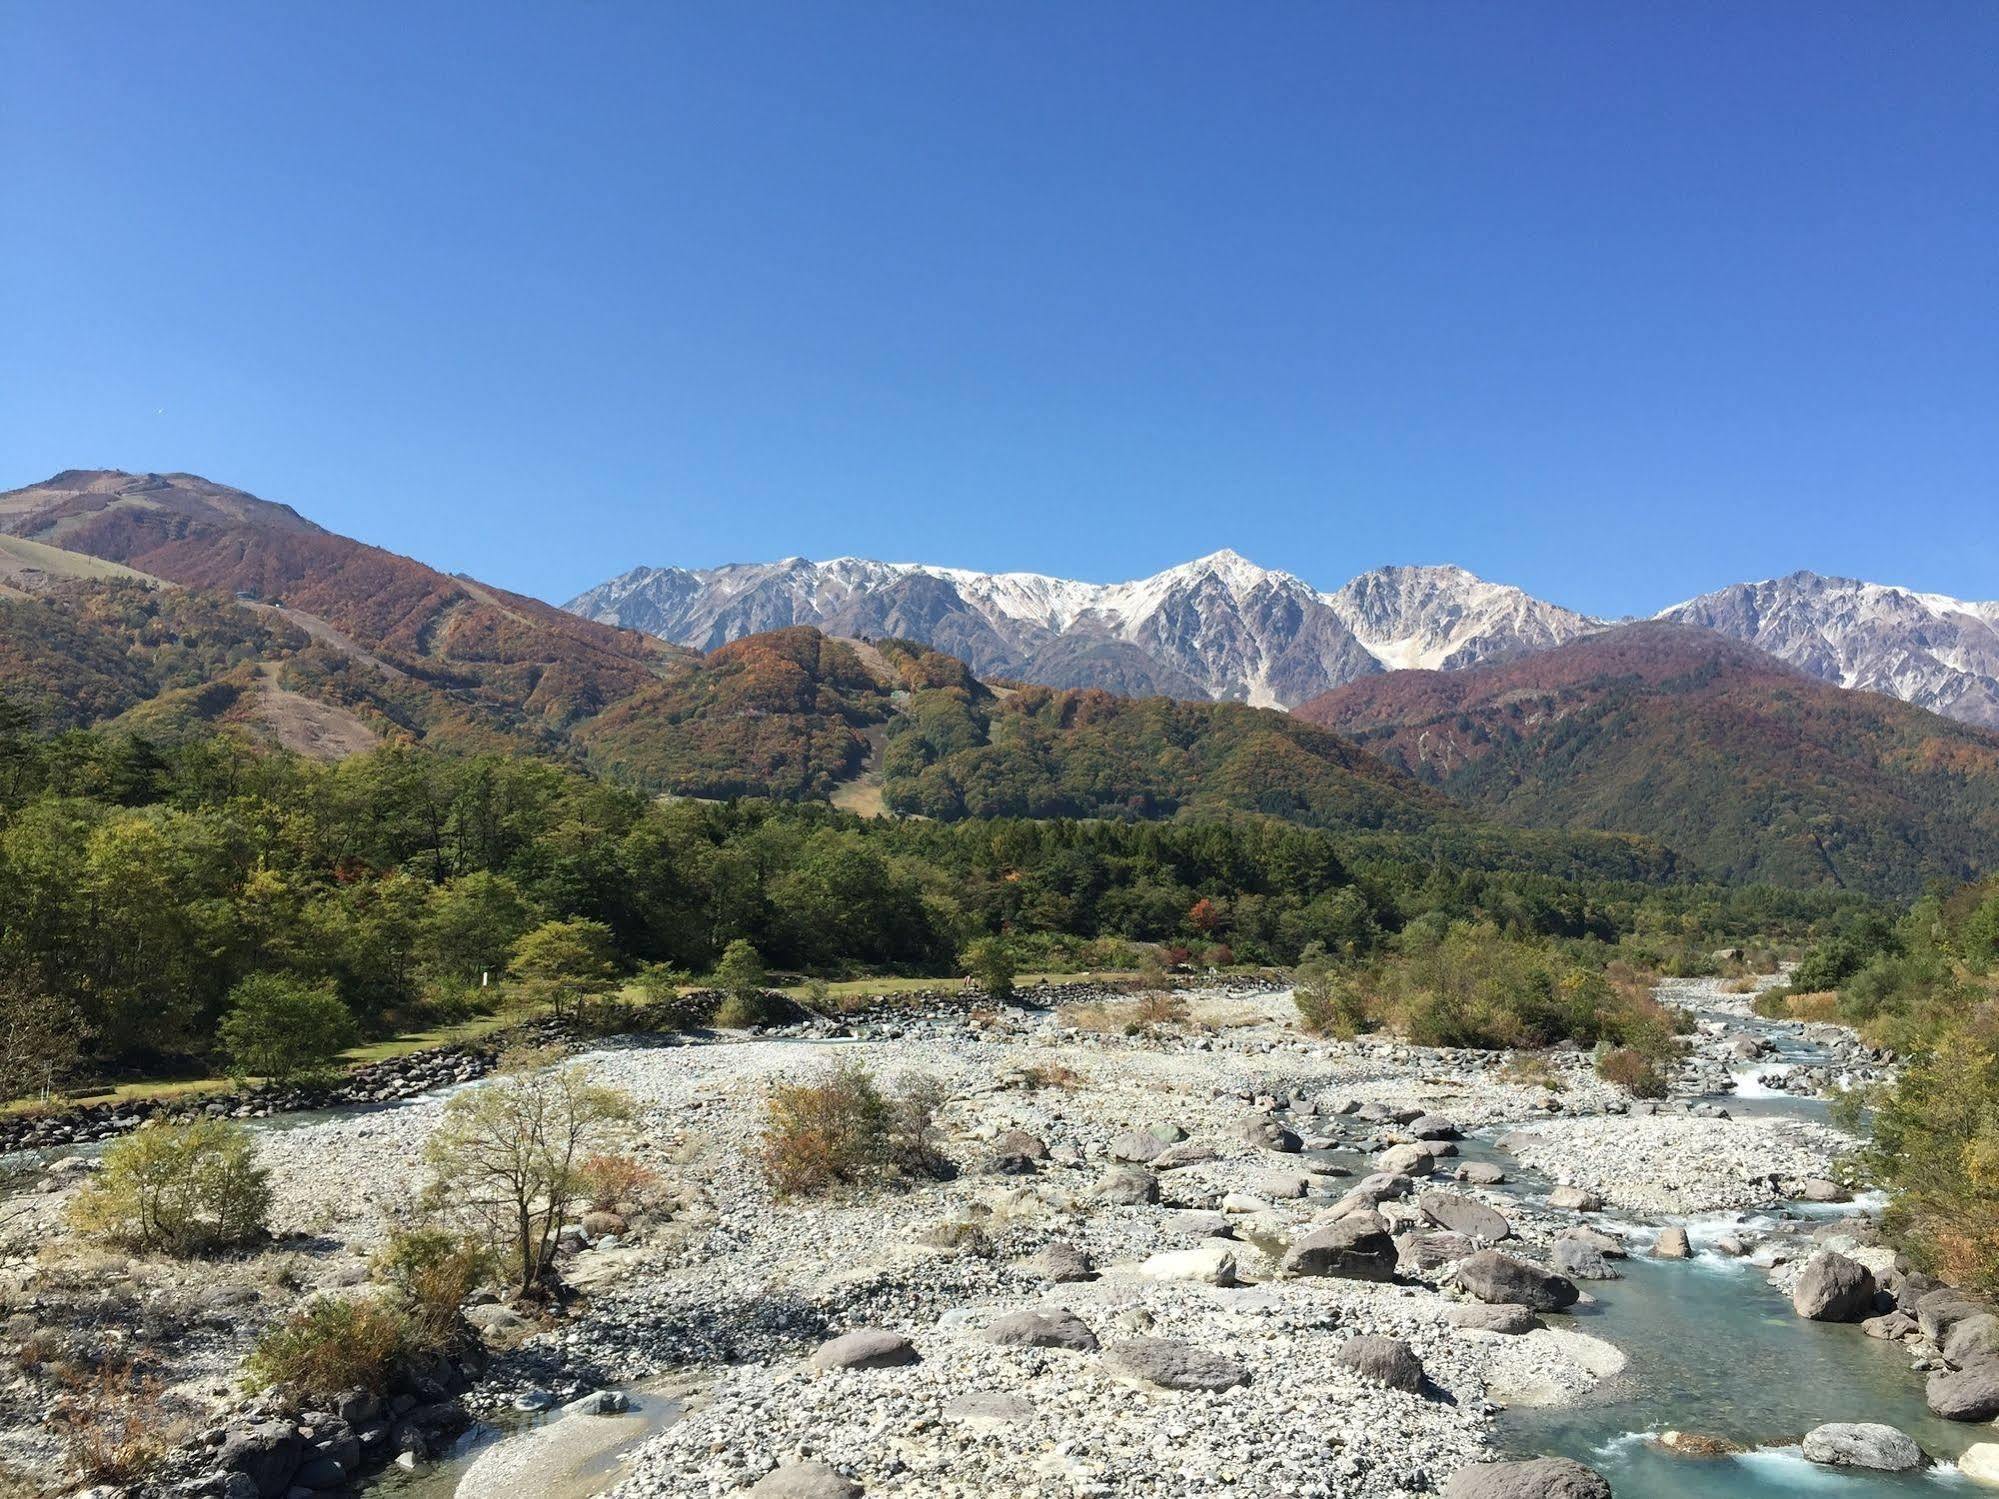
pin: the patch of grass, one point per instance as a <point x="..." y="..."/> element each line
<point x="114" y="1422"/>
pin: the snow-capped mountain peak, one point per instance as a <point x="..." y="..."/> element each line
<point x="1939" y="652"/>
<point x="1218" y="626"/>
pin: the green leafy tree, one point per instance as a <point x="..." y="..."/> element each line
<point x="990" y="962"/>
<point x="562" y="963"/>
<point x="284" y="1029"/>
<point x="469" y="927"/>
<point x="42" y="1040"/>
<point x="741" y="974"/>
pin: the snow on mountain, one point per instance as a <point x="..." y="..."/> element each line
<point x="1440" y="618"/>
<point x="1938" y="652"/>
<point x="1219" y="626"/>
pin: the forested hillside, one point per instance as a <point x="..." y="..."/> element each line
<point x="1749" y="769"/>
<point x="138" y="885"/>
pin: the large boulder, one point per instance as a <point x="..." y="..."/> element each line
<point x="1261" y="1129"/>
<point x="1967" y="1394"/>
<point x="1421" y="1251"/>
<point x="1673" y="1244"/>
<point x="1356" y="1247"/>
<point x="1186" y="1153"/>
<point x="1492" y="1276"/>
<point x="1863" y="1444"/>
<point x="868" y="1348"/>
<point x="1464" y="1215"/>
<point x="807" y="1480"/>
<point x="1370" y="1192"/>
<point x="267" y="1453"/>
<point x="1434" y="1127"/>
<point x="1406" y="1160"/>
<point x="1127" y="1187"/>
<point x="1212" y="1262"/>
<point x="1062" y="1263"/>
<point x="1173" y="1365"/>
<point x="1136" y="1147"/>
<point x="1500" y="1317"/>
<point x="1980" y="1463"/>
<point x="1833" y="1288"/>
<point x="1537" y="1478"/>
<point x="1972" y="1339"/>
<point x="1576" y="1200"/>
<point x="1938" y="1311"/>
<point x="1387" y="1361"/>
<point x="1581" y="1260"/>
<point x="1037" y="1328"/>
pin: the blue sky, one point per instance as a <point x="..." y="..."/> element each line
<point x="1615" y="301"/>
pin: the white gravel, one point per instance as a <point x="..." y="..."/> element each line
<point x="744" y="1287"/>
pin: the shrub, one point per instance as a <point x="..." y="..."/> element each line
<point x="1330" y="1003"/>
<point x="430" y="1272"/>
<point x="843" y="1130"/>
<point x="1532" y="1069"/>
<point x="608" y="1180"/>
<point x="666" y="1005"/>
<point x="1631" y="1070"/>
<point x="1158" y="1009"/>
<point x="284" y="1030"/>
<point x="182" y="1189"/>
<point x="330" y="1345"/>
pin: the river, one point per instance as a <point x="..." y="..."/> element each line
<point x="1714" y="1349"/>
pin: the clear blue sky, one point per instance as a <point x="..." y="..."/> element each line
<point x="1618" y="301"/>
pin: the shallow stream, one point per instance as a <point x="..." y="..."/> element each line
<point x="1716" y="1350"/>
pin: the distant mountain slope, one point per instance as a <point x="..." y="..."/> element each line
<point x="1749" y="768"/>
<point x="959" y="749"/>
<point x="1218" y="627"/>
<point x="443" y="655"/>
<point x="793" y="713"/>
<point x="1937" y="652"/>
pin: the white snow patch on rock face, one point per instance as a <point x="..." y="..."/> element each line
<point x="1929" y="649"/>
<point x="1219" y="626"/>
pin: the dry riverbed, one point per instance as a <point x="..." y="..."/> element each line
<point x="731" y="1290"/>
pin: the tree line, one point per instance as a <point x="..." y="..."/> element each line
<point x="141" y="885"/>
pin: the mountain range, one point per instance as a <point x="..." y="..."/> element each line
<point x="1466" y="715"/>
<point x="1218" y="627"/>
<point x="1222" y="627"/>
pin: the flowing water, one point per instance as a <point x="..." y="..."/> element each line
<point x="1715" y="1350"/>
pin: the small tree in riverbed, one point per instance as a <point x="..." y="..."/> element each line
<point x="741" y="978"/>
<point x="507" y="1158"/>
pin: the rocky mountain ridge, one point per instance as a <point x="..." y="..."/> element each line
<point x="1223" y="627"/>
<point x="1217" y="627"/>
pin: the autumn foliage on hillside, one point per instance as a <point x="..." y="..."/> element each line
<point x="1751" y="770"/>
<point x="780" y="714"/>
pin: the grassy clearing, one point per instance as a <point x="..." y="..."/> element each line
<point x="153" y="1090"/>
